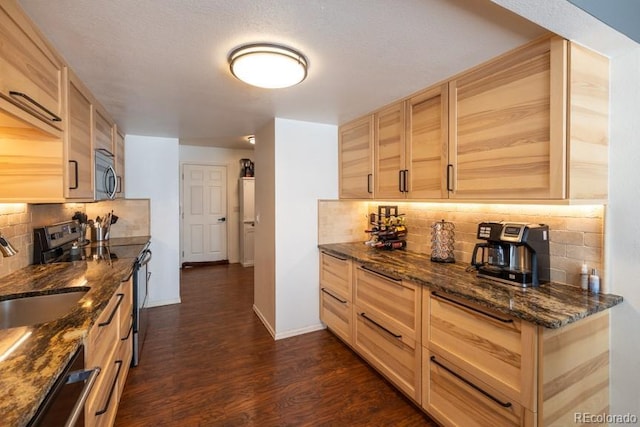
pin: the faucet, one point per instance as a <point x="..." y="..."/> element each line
<point x="6" y="248"/>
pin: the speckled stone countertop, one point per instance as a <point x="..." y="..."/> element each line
<point x="552" y="305"/>
<point x="28" y="373"/>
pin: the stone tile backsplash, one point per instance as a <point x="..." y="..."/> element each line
<point x="17" y="221"/>
<point x="576" y="232"/>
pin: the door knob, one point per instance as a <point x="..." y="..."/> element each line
<point x="223" y="219"/>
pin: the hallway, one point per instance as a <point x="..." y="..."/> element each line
<point x="210" y="362"/>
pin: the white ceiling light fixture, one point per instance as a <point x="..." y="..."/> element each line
<point x="268" y="66"/>
<point x="251" y="139"/>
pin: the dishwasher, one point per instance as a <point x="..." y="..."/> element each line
<point x="64" y="404"/>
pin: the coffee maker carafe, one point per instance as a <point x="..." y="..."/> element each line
<point x="514" y="253"/>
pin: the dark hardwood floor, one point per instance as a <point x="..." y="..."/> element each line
<point x="210" y="362"/>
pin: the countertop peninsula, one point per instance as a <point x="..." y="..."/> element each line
<point x="29" y="371"/>
<point x="551" y="305"/>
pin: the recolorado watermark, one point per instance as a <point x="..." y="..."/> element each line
<point x="589" y="418"/>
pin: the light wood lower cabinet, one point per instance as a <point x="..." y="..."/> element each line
<point x="336" y="306"/>
<point x="109" y="346"/>
<point x="480" y="367"/>
<point x="387" y="327"/>
<point x="498" y="349"/>
<point x="457" y="398"/>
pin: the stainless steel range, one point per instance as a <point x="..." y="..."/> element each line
<point x="61" y="243"/>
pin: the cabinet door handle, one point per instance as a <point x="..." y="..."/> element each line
<point x="113" y="313"/>
<point x="113" y="387"/>
<point x="377" y="273"/>
<point x="90" y="376"/>
<point x="32" y="102"/>
<point x="468" y="307"/>
<point x="363" y="315"/>
<point x="333" y="296"/>
<point x="400" y="184"/>
<point x="469" y="383"/>
<point x="75" y="168"/>
<point x="334" y="256"/>
<point x="405" y="174"/>
<point x="369" y="179"/>
<point x="449" y="177"/>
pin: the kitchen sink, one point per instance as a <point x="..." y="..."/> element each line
<point x="41" y="308"/>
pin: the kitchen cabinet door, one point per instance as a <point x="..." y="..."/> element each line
<point x="389" y="152"/>
<point x="427" y="144"/>
<point x="32" y="74"/>
<point x="103" y="131"/>
<point x="119" y="164"/>
<point x="78" y="141"/>
<point x="507" y="133"/>
<point x="355" y="158"/>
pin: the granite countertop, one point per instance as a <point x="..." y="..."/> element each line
<point x="28" y="373"/>
<point x="552" y="305"/>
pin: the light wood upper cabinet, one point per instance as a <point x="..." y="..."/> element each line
<point x="427" y="144"/>
<point x="119" y="164"/>
<point x="103" y="129"/>
<point x="355" y="157"/>
<point x="79" y="154"/>
<point x="531" y="124"/>
<point x="32" y="74"/>
<point x="389" y="152"/>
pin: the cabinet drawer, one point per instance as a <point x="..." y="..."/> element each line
<point x="395" y="300"/>
<point x="125" y="353"/>
<point x="457" y="399"/>
<point x="104" y="333"/>
<point x="335" y="275"/>
<point x="102" y="404"/>
<point x="126" y="307"/>
<point x="29" y="67"/>
<point x="337" y="314"/>
<point x="499" y="350"/>
<point x="395" y="355"/>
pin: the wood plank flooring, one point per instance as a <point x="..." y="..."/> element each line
<point x="210" y="362"/>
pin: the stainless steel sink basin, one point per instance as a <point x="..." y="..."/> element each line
<point x="31" y="310"/>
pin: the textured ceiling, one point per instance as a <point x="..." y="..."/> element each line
<point x="160" y="66"/>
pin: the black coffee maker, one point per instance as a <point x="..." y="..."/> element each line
<point x="246" y="168"/>
<point x="514" y="253"/>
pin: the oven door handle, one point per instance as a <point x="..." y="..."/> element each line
<point x="90" y="375"/>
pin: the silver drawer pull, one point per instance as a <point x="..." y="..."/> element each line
<point x="470" y="384"/>
<point x="377" y="273"/>
<point x="492" y="316"/>
<point x="380" y="326"/>
<point x="90" y="376"/>
<point x="333" y="296"/>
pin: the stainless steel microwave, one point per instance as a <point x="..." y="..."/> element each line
<point x="105" y="176"/>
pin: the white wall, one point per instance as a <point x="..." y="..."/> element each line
<point x="152" y="172"/>
<point x="623" y="231"/>
<point x="231" y="159"/>
<point x="306" y="169"/>
<point x="264" y="290"/>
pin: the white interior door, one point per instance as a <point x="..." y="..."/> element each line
<point x="204" y="190"/>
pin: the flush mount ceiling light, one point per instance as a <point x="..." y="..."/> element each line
<point x="251" y="139"/>
<point x="268" y="66"/>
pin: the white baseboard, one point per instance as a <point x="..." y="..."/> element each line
<point x="163" y="302"/>
<point x="301" y="331"/>
<point x="247" y="264"/>
<point x="264" y="321"/>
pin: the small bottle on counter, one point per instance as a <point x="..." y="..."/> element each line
<point x="584" y="277"/>
<point x="594" y="282"/>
